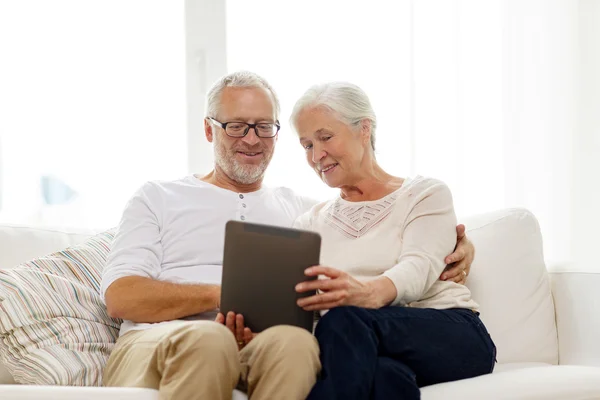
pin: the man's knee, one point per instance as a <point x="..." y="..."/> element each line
<point x="281" y="359"/>
<point x="285" y="340"/>
<point x="206" y="337"/>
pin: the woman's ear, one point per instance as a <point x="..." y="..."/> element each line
<point x="365" y="131"/>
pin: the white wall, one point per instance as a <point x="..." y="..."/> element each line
<point x="540" y="113"/>
<point x="205" y="27"/>
<point x="518" y="81"/>
<point x="93" y="94"/>
<point x="586" y="142"/>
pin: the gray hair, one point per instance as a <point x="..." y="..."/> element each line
<point x="244" y="79"/>
<point x="349" y="102"/>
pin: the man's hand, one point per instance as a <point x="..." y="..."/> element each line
<point x="459" y="262"/>
<point x="243" y="335"/>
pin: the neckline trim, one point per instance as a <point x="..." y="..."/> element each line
<point x="405" y="185"/>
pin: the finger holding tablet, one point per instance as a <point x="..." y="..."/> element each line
<point x="235" y="323"/>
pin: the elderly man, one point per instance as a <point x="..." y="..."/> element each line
<point x="163" y="274"/>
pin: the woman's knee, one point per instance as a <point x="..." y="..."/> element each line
<point x="341" y="318"/>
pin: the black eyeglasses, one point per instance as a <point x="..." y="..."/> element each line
<point x="240" y="129"/>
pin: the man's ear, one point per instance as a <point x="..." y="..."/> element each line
<point x="208" y="130"/>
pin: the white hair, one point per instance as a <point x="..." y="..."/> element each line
<point x="347" y="101"/>
<point x="244" y="79"/>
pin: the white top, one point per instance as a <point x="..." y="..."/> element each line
<point x="175" y="231"/>
<point x="404" y="236"/>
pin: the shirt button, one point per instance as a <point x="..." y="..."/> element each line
<point x="241" y="196"/>
<point x="244" y="205"/>
<point x="243" y="218"/>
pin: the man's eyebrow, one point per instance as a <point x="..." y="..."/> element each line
<point x="240" y="119"/>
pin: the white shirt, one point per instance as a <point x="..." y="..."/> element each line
<point x="174" y="231"/>
<point x="404" y="236"/>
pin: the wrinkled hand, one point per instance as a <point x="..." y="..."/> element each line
<point x="235" y="322"/>
<point x="336" y="289"/>
<point x="459" y="262"/>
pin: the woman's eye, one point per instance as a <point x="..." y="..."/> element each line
<point x="326" y="138"/>
<point x="308" y="146"/>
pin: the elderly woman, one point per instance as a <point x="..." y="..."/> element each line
<point x="389" y="325"/>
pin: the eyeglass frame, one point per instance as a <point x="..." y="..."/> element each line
<point x="250" y="126"/>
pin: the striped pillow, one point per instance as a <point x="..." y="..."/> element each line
<point x="54" y="328"/>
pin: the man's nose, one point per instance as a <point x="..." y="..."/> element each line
<point x="251" y="137"/>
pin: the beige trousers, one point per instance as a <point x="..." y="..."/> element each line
<point x="200" y="360"/>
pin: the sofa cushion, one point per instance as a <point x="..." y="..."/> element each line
<point x="510" y="282"/>
<point x="54" y="328"/>
<point x="577" y="302"/>
<point x="540" y="383"/>
<point x="24" y="243"/>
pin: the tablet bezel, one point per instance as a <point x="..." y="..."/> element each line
<point x="261" y="266"/>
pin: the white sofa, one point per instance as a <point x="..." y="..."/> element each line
<point x="546" y="326"/>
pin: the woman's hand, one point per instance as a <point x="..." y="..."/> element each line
<point x="340" y="289"/>
<point x="459" y="262"/>
<point x="235" y="323"/>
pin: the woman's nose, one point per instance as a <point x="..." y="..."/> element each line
<point x="318" y="155"/>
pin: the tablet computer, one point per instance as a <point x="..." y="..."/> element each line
<point x="262" y="264"/>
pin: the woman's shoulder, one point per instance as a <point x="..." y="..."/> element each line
<point x="428" y="192"/>
<point x="305" y="221"/>
<point x="319" y="208"/>
<point x="424" y="185"/>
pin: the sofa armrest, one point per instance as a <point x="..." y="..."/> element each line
<point x="577" y="301"/>
<point x="34" y="392"/>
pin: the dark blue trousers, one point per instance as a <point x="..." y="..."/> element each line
<point x="389" y="353"/>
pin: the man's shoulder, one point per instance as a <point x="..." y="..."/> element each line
<point x="157" y="186"/>
<point x="289" y="195"/>
<point x="284" y="192"/>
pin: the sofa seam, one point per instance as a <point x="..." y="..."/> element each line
<point x="499" y="219"/>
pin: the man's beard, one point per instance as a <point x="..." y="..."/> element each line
<point x="245" y="174"/>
